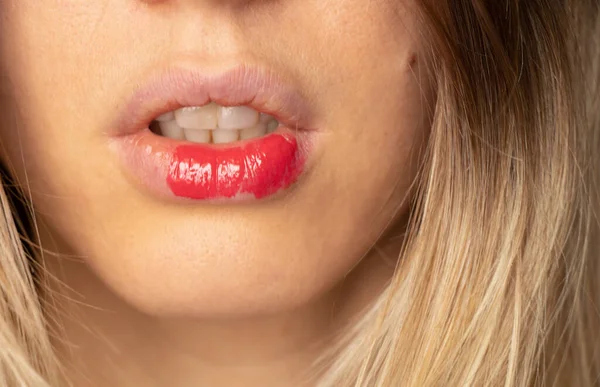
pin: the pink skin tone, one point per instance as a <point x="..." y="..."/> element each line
<point x="157" y="288"/>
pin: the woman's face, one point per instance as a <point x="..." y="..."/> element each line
<point x="83" y="79"/>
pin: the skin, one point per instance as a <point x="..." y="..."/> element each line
<point x="152" y="292"/>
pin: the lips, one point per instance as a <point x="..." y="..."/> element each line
<point x="250" y="169"/>
<point x="260" y="168"/>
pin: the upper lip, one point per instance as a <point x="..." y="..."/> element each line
<point x="257" y="87"/>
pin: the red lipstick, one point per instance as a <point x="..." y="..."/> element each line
<point x="259" y="168"/>
<point x="250" y="169"/>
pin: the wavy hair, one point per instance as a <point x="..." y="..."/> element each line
<point x="498" y="281"/>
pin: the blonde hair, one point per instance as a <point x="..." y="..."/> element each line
<point x="26" y="355"/>
<point x="497" y="284"/>
<point x="498" y="281"/>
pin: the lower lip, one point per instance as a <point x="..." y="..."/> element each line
<point x="254" y="169"/>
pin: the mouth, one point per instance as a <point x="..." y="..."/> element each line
<point x="242" y="134"/>
<point x="214" y="124"/>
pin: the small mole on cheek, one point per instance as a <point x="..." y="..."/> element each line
<point x="412" y="61"/>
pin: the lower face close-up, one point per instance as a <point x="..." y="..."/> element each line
<point x="213" y="158"/>
<point x="299" y="193"/>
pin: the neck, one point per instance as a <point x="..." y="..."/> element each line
<point x="106" y="342"/>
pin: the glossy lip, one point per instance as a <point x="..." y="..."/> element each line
<point x="252" y="169"/>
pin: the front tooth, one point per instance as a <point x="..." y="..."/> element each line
<point x="257" y="131"/>
<point x="237" y="117"/>
<point x="197" y="135"/>
<point x="170" y="129"/>
<point x="204" y="117"/>
<point x="225" y="136"/>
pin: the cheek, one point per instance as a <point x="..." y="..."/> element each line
<point x="372" y="85"/>
<point x="379" y="99"/>
<point x="44" y="49"/>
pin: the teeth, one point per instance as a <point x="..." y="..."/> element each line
<point x="204" y="117"/>
<point x="258" y="131"/>
<point x="198" y="135"/>
<point x="215" y="124"/>
<point x="171" y="129"/>
<point x="265" y="118"/>
<point x="272" y="126"/>
<point x="225" y="136"/>
<point x="237" y="117"/>
<point x="170" y="116"/>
